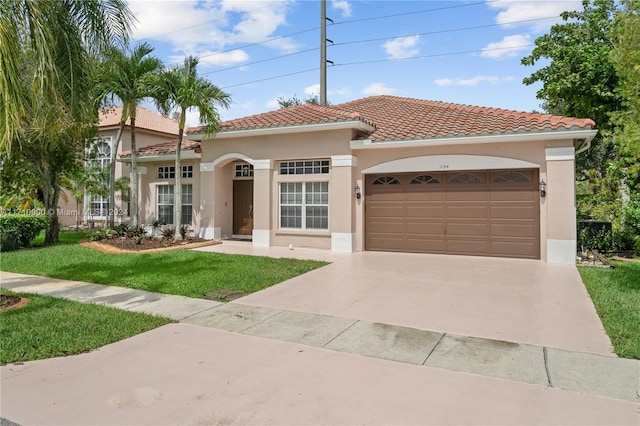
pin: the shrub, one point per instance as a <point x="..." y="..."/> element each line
<point x="136" y="231"/>
<point x="102" y="234"/>
<point x="631" y="214"/>
<point x="604" y="238"/>
<point x="158" y="223"/>
<point x="168" y="232"/>
<point x="26" y="226"/>
<point x="184" y="231"/>
<point x="138" y="239"/>
<point x="122" y="230"/>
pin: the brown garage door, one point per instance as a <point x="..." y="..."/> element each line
<point x="480" y="213"/>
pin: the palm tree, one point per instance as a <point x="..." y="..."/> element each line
<point x="124" y="77"/>
<point x="179" y="89"/>
<point x="58" y="36"/>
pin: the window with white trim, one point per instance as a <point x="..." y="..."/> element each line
<point x="100" y="157"/>
<point x="311" y="167"/>
<point x="165" y="204"/>
<point x="304" y="205"/>
<point x="169" y="172"/>
<point x="243" y="170"/>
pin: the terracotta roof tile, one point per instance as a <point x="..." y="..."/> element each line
<point x="145" y="119"/>
<point x="396" y="118"/>
<point x="168" y="147"/>
<point x="297" y="115"/>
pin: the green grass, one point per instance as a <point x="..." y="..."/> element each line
<point x="49" y="327"/>
<point x="181" y="272"/>
<point x="616" y="296"/>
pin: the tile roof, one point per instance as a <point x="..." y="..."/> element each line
<point x="145" y="119"/>
<point x="298" y="115"/>
<point x="396" y="118"/>
<point x="168" y="147"/>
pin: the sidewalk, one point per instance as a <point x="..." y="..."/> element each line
<point x="580" y="372"/>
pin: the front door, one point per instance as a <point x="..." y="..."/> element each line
<point x="242" y="207"/>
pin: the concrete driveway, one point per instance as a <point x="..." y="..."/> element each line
<point x="203" y="375"/>
<point x="521" y="301"/>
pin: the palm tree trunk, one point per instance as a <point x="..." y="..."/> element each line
<point x="178" y="185"/>
<point x="134" y="171"/>
<point x="111" y="211"/>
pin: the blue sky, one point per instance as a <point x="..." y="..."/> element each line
<point x="453" y="51"/>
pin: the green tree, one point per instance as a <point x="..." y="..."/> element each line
<point x="123" y="77"/>
<point x="626" y="59"/>
<point x="294" y="100"/>
<point x="59" y="36"/>
<point x="180" y="89"/>
<point x="580" y="81"/>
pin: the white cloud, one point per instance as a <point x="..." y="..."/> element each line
<point x="208" y="57"/>
<point x="508" y="46"/>
<point x="193" y="117"/>
<point x="201" y="27"/>
<point x="402" y="47"/>
<point x="343" y="6"/>
<point x="521" y="10"/>
<point x="314" y="89"/>
<point x="378" y="89"/>
<point x="473" y="81"/>
<point x="273" y="103"/>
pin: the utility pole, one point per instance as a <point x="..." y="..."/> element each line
<point x="323" y="52"/>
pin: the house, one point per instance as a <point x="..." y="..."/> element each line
<point x="381" y="173"/>
<point x="151" y="128"/>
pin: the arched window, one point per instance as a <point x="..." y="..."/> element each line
<point x="508" y="177"/>
<point x="466" y="178"/>
<point x="423" y="179"/>
<point x="386" y="180"/>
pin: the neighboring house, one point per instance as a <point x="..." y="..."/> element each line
<point x="151" y="128"/>
<point x="381" y="173"/>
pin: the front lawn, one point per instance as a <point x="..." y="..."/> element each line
<point x="616" y="296"/>
<point x="180" y="272"/>
<point x="49" y="327"/>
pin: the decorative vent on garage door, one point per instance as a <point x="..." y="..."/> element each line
<point x="423" y="179"/>
<point x="466" y="178"/>
<point x="386" y="180"/>
<point x="508" y="177"/>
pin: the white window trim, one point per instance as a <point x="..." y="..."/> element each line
<point x="303" y="206"/>
<point x="88" y="199"/>
<point x="173" y="205"/>
<point x="182" y="170"/>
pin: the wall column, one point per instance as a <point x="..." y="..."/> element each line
<point x="341" y="203"/>
<point x="262" y="197"/>
<point x="561" y="205"/>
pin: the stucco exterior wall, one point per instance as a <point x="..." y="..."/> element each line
<point x="346" y="213"/>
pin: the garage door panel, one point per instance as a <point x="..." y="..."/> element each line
<point x="460" y="195"/>
<point x="466" y="211"/>
<point x="471" y="247"/>
<point x="460" y="229"/>
<point x="386" y="227"/>
<point x="425" y="228"/>
<point x="514" y="249"/>
<point x="428" y="195"/>
<point x="526" y="195"/>
<point x="425" y="211"/>
<point x="422" y="245"/>
<point x="514" y="230"/>
<point x="514" y="211"/>
<point x="482" y="213"/>
<point x="391" y="211"/>
<point x="386" y="243"/>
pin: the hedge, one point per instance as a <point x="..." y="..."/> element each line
<point x="26" y="226"/>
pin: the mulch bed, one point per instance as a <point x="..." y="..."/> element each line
<point x="148" y="245"/>
<point x="11" y="302"/>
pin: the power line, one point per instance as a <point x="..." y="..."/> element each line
<point x="271" y="78"/>
<point x="441" y="31"/>
<point x="415" y="12"/>
<point x="378" y="39"/>
<point x="435" y="55"/>
<point x="261" y="61"/>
